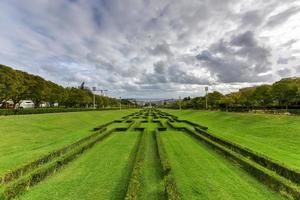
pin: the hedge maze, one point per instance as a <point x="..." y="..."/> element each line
<point x="151" y="174"/>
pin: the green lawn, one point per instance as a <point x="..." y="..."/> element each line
<point x="152" y="181"/>
<point x="201" y="173"/>
<point x="101" y="173"/>
<point x="275" y="136"/>
<point x="26" y="137"/>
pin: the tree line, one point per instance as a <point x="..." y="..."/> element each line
<point x="17" y="85"/>
<point x="283" y="94"/>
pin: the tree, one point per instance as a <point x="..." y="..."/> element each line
<point x="284" y="93"/>
<point x="214" y="98"/>
<point x="262" y="95"/>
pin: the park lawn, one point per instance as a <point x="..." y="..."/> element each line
<point x="201" y="173"/>
<point x="275" y="136"/>
<point x="26" y="137"/>
<point x="100" y="173"/>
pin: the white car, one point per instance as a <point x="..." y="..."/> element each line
<point x="25" y="104"/>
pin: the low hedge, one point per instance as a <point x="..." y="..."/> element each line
<point x="171" y="190"/>
<point x="134" y="185"/>
<point x="269" y="177"/>
<point x="193" y="124"/>
<point x="19" y="186"/>
<point x="19" y="171"/>
<point x="102" y="126"/>
<point x="264" y="161"/>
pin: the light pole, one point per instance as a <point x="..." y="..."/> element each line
<point x="179" y="102"/>
<point x="206" y="89"/>
<point x="94" y="89"/>
<point x="94" y="98"/>
<point x="120" y="103"/>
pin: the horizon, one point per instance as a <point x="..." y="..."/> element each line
<point x="153" y="49"/>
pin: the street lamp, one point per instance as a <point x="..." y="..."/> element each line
<point x="94" y="89"/>
<point x="206" y="89"/>
<point x="120" y="103"/>
<point x="94" y="101"/>
<point x="179" y="102"/>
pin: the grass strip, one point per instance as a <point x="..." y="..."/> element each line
<point x="135" y="182"/>
<point x="19" y="186"/>
<point x="171" y="190"/>
<point x="26" y="168"/>
<point x="262" y="160"/>
<point x="268" y="177"/>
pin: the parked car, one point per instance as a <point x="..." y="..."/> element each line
<point x="25" y="104"/>
<point x="44" y="105"/>
<point x="7" y="104"/>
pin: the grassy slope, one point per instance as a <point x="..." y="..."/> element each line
<point x="101" y="173"/>
<point x="26" y="137"/>
<point x="200" y="173"/>
<point x="276" y="136"/>
<point x="152" y="182"/>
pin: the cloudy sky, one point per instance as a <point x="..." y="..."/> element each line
<point x="153" y="48"/>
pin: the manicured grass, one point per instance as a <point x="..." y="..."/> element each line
<point x="275" y="136"/>
<point x="201" y="173"/>
<point x="100" y="173"/>
<point x="26" y="137"/>
<point x="152" y="181"/>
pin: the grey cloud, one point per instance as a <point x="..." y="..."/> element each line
<point x="289" y="43"/>
<point x="242" y="64"/>
<point x="281" y="17"/>
<point x="283" y="61"/>
<point x="161" y="49"/>
<point x="244" y="39"/>
<point x="252" y="18"/>
<point x="284" y="72"/>
<point x="165" y="73"/>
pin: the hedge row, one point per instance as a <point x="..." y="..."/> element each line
<point x="134" y="185"/>
<point x="170" y="184"/>
<point x="102" y="126"/>
<point x="270" y="178"/>
<point x="45" y="110"/>
<point x="19" y="171"/>
<point x="19" y="186"/>
<point x="279" y="168"/>
<point x="193" y="124"/>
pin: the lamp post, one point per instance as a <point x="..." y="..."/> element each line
<point x="120" y="103"/>
<point x="179" y="102"/>
<point x="206" y="89"/>
<point x="94" y="98"/>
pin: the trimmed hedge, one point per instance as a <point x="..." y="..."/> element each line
<point x="19" y="186"/>
<point x="262" y="160"/>
<point x="170" y="184"/>
<point x="268" y="177"/>
<point x="134" y="185"/>
<point x="19" y="171"/>
<point x="102" y="126"/>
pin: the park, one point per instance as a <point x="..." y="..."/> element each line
<point x="149" y="100"/>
